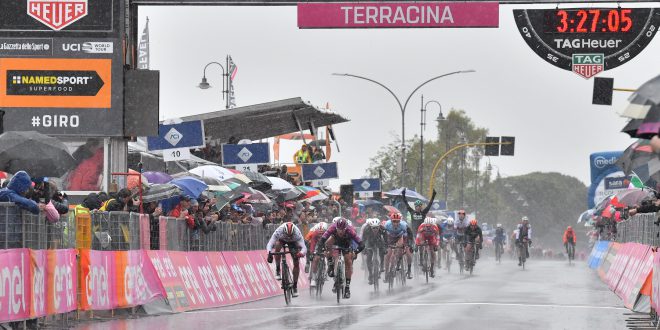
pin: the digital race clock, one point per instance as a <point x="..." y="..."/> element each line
<point x="587" y="40"/>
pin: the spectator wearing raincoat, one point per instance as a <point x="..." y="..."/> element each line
<point x="15" y="193"/>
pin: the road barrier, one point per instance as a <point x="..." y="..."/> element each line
<point x="639" y="229"/>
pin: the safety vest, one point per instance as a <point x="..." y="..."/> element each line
<point x="105" y="204"/>
<point x="302" y="157"/>
<point x="80" y="210"/>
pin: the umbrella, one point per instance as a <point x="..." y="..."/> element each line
<point x="585" y="216"/>
<point x="391" y="209"/>
<point x="649" y="90"/>
<point x="279" y="183"/>
<point x="190" y="186"/>
<point x="284" y="195"/>
<point x="213" y="171"/>
<point x="410" y="194"/>
<point x="133" y="181"/>
<point x="157" y="177"/>
<point x="237" y="185"/>
<point x="631" y="127"/>
<point x="258" y="197"/>
<point x="242" y="177"/>
<point x="38" y="154"/>
<point x="650" y="126"/>
<point x="635" y="155"/>
<point x="259" y="181"/>
<point x="637" y="109"/>
<point x="160" y="191"/>
<point x="649" y="172"/>
<point x="211" y="181"/>
<point x="632" y="197"/>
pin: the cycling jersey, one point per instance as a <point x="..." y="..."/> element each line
<point x="569" y="235"/>
<point x="471" y="233"/>
<point x="428" y="233"/>
<point x="461" y="225"/>
<point x="373" y="238"/>
<point x="524" y="231"/>
<point x="312" y="238"/>
<point x="499" y="235"/>
<point x="280" y="235"/>
<point x="393" y="234"/>
<point x="343" y="241"/>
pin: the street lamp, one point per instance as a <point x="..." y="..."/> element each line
<point x="205" y="84"/>
<point x="402" y="107"/>
<point x="422" y="125"/>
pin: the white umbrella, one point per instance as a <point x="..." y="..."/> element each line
<point x="280" y="184"/>
<point x="213" y="171"/>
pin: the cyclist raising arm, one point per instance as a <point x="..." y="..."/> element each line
<point x="417" y="214"/>
<point x="289" y="235"/>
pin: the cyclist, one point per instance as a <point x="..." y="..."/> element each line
<point x="430" y="233"/>
<point x="473" y="236"/>
<point x="417" y="214"/>
<point x="312" y="239"/>
<point x="374" y="237"/>
<point x="569" y="238"/>
<point x="461" y="224"/>
<point x="289" y="235"/>
<point x="449" y="232"/>
<point x="396" y="233"/>
<point x="341" y="234"/>
<point x="500" y="236"/>
<point x="524" y="231"/>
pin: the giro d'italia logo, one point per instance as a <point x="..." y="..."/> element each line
<point x="57" y="14"/>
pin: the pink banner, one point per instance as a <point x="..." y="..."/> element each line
<point x="398" y="15"/>
<point x="117" y="279"/>
<point x="15" y="288"/>
<point x="655" y="291"/>
<point x="618" y="267"/>
<point x="61" y="280"/>
<point x="145" y="232"/>
<point x="637" y="269"/>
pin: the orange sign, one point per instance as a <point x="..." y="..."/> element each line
<point x="55" y="83"/>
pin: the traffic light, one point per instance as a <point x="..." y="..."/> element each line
<point x="507" y="149"/>
<point x="603" y="88"/>
<point x="492" y="150"/>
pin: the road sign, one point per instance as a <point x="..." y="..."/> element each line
<point x="320" y="183"/>
<point x="248" y="167"/>
<point x="189" y="134"/>
<point x="241" y="154"/>
<point x="364" y="185"/>
<point x="587" y="40"/>
<point x="319" y="171"/>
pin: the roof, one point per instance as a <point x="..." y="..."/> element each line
<point x="261" y="121"/>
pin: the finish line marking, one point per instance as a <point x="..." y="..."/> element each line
<point x="412" y="305"/>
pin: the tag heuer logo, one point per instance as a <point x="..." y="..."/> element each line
<point x="57" y="14"/>
<point x="588" y="65"/>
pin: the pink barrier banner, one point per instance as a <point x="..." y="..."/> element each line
<point x="608" y="260"/>
<point x="145" y="232"/>
<point x="117" y="279"/>
<point x="618" y="267"/>
<point x="637" y="269"/>
<point x="655" y="291"/>
<point x="15" y="286"/>
<point x="398" y="15"/>
<point x="54" y="278"/>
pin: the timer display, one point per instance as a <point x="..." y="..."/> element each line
<point x="589" y="21"/>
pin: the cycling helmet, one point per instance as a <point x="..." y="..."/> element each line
<point x="334" y="220"/>
<point x="373" y="222"/>
<point x="288" y="228"/>
<point x="473" y="222"/>
<point x="569" y="228"/>
<point x="322" y="226"/>
<point x="418" y="203"/>
<point x="499" y="225"/>
<point x="525" y="218"/>
<point x="341" y="224"/>
<point x="450" y="221"/>
<point x="395" y="216"/>
<point x="461" y="212"/>
<point x="430" y="221"/>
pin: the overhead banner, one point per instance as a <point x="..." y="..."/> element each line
<point x="398" y="15"/>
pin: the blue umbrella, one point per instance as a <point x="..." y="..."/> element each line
<point x="190" y="186"/>
<point x="410" y="194"/>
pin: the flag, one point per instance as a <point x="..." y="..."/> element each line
<point x="143" y="49"/>
<point x="232" y="69"/>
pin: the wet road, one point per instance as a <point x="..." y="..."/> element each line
<point x="547" y="295"/>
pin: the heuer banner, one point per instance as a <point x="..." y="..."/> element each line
<point x="61" y="66"/>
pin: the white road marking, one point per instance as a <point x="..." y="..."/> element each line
<point x="413" y="305"/>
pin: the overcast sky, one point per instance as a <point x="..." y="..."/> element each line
<point x="514" y="92"/>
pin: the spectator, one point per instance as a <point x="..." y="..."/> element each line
<point x="16" y="190"/>
<point x="154" y="211"/>
<point x="318" y="155"/>
<point x="302" y="156"/>
<point x="180" y="211"/>
<point x="122" y="202"/>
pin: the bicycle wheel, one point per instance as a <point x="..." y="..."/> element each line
<point x="448" y="260"/>
<point x="339" y="285"/>
<point x="375" y="269"/>
<point x="426" y="263"/>
<point x="320" y="277"/>
<point x="286" y="281"/>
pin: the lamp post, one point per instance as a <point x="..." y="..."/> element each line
<point x="402" y="107"/>
<point x="205" y="84"/>
<point x="462" y="141"/>
<point x="422" y="125"/>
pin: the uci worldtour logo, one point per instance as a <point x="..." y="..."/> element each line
<point x="601" y="162"/>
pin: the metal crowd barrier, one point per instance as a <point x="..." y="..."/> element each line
<point x="22" y="229"/>
<point x="639" y="229"/>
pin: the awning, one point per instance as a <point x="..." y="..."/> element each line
<point x="261" y="121"/>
